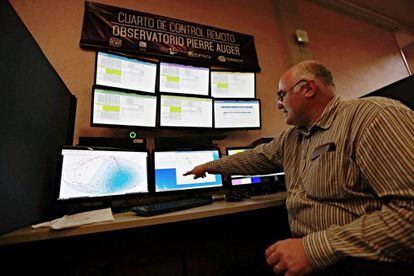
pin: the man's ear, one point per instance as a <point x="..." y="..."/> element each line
<point x="311" y="89"/>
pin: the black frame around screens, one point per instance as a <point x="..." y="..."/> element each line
<point x="124" y="93"/>
<point x="77" y="170"/>
<point x="170" y="174"/>
<point x="195" y="125"/>
<point x="232" y="72"/>
<point x="268" y="178"/>
<point x="189" y="66"/>
<point x="130" y="59"/>
<point x="233" y="126"/>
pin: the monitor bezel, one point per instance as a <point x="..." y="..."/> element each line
<point x="189" y="64"/>
<point x="184" y="127"/>
<point x="128" y="57"/>
<point x="245" y="185"/>
<point x="126" y="92"/>
<point x="237" y="128"/>
<point x="191" y="190"/>
<point x="105" y="197"/>
<point x="233" y="71"/>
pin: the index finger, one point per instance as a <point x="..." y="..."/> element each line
<point x="270" y="249"/>
<point x="187" y="173"/>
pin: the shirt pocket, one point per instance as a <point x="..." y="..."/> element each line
<point x="322" y="181"/>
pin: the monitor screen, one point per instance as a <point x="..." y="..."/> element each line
<point x="124" y="72"/>
<point x="118" y="108"/>
<point x="89" y="173"/>
<point x="169" y="167"/>
<point x="183" y="111"/>
<point x="184" y="79"/>
<point x="237" y="114"/>
<point x="237" y="180"/>
<point x="232" y="84"/>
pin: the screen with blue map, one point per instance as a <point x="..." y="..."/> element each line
<point x="101" y="173"/>
<point x="170" y="166"/>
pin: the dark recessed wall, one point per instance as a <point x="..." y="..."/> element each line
<point x="37" y="113"/>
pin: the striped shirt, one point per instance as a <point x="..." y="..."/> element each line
<point x="350" y="180"/>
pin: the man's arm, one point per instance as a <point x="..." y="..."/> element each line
<point x="265" y="158"/>
<point x="385" y="155"/>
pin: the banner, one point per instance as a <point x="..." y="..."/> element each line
<point x="124" y="30"/>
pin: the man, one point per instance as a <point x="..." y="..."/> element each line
<point x="349" y="175"/>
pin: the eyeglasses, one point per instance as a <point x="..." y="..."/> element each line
<point x="282" y="93"/>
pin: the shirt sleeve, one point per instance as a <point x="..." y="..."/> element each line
<point x="385" y="155"/>
<point x="265" y="158"/>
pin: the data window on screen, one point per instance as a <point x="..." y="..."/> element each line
<point x="183" y="111"/>
<point x="102" y="173"/>
<point x="118" y="108"/>
<point x="124" y="72"/>
<point x="232" y="84"/>
<point x="237" y="180"/>
<point x="184" y="79"/>
<point x="237" y="114"/>
<point x="170" y="166"/>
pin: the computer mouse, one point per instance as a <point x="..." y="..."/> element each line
<point x="234" y="197"/>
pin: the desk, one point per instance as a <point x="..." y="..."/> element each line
<point x="223" y="238"/>
<point x="130" y="220"/>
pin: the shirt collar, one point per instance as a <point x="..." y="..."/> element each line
<point x="326" y="119"/>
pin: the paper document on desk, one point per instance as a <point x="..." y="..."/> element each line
<point x="78" y="219"/>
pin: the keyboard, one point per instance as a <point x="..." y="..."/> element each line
<point x="153" y="209"/>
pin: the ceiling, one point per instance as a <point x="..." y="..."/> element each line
<point x="401" y="11"/>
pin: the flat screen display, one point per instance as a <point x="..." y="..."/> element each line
<point x="232" y="84"/>
<point x="170" y="166"/>
<point x="237" y="180"/>
<point x="111" y="107"/>
<point x="102" y="173"/>
<point x="183" y="111"/>
<point x="124" y="72"/>
<point x="237" y="114"/>
<point x="184" y="79"/>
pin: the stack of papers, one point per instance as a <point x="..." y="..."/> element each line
<point x="78" y="219"/>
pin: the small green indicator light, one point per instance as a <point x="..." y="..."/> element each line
<point x="132" y="135"/>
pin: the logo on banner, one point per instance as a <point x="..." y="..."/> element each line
<point x="115" y="42"/>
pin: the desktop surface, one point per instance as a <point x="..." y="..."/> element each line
<point x="129" y="220"/>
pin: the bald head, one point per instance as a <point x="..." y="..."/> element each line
<point x="306" y="89"/>
<point x="314" y="70"/>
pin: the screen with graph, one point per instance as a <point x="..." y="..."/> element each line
<point x="169" y="167"/>
<point x="117" y="108"/>
<point x="87" y="173"/>
<point x="184" y="79"/>
<point x="185" y="111"/>
<point x="225" y="84"/>
<point x="120" y="71"/>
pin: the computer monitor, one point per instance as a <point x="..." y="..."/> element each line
<point x="184" y="79"/>
<point x="87" y="173"/>
<point x="238" y="180"/>
<point x="400" y="90"/>
<point x="186" y="112"/>
<point x="225" y="84"/>
<point x="119" y="108"/>
<point x="169" y="167"/>
<point x="124" y="72"/>
<point x="237" y="114"/>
